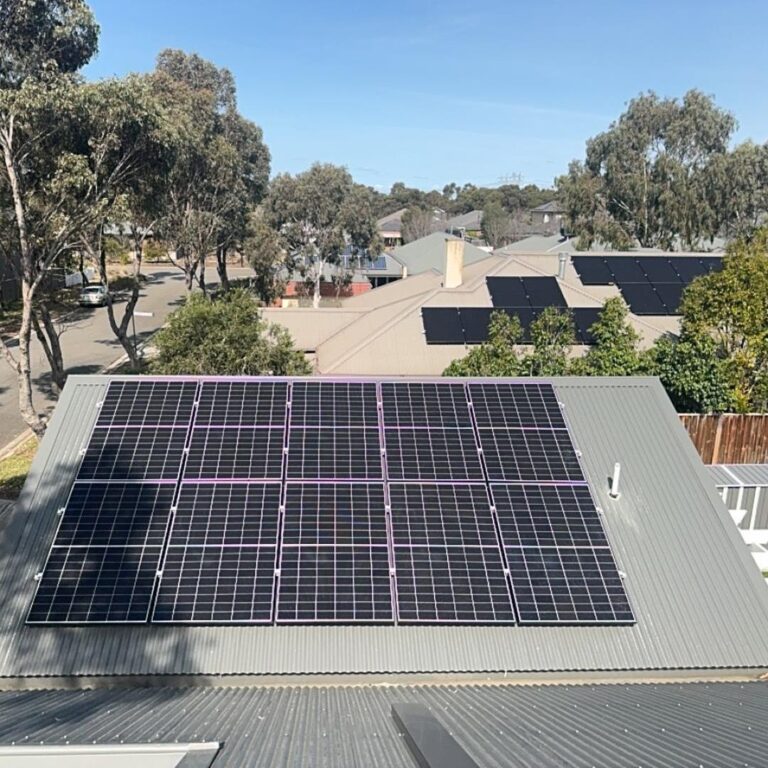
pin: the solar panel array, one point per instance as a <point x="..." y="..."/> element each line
<point x="651" y="285"/>
<point x="303" y="501"/>
<point x="521" y="297"/>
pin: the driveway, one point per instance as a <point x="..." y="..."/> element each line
<point x="88" y="343"/>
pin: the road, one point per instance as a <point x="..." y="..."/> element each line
<point x="88" y="343"/>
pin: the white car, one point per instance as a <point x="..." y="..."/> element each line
<point x="94" y="296"/>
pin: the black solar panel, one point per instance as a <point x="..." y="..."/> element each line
<point x="216" y="585"/>
<point x="670" y="295"/>
<point x="535" y="455"/>
<point x="242" y="403"/>
<point x="127" y="453"/>
<point x="341" y="453"/>
<point x="688" y="267"/>
<point x="432" y="454"/>
<point x="334" y="584"/>
<point x="658" y="269"/>
<point x="454" y="515"/>
<point x="547" y="516"/>
<point x="625" y="269"/>
<point x="334" y="404"/>
<point x="422" y="404"/>
<point x="567" y="586"/>
<point x="592" y="270"/>
<point x="334" y="514"/>
<point x="226" y="514"/>
<point x="712" y="263"/>
<point x="474" y="321"/>
<point x="583" y="320"/>
<point x="502" y="405"/>
<point x="245" y="453"/>
<point x="139" y="403"/>
<point x="95" y="585"/>
<point x="442" y="325"/>
<point x="452" y="585"/>
<point x="544" y="292"/>
<point x="507" y="292"/>
<point x="642" y="299"/>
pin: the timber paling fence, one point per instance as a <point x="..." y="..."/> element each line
<point x="729" y="438"/>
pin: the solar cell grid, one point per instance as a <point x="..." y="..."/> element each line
<point x="567" y="586"/>
<point x="422" y="404"/>
<point x="235" y="454"/>
<point x="124" y="453"/>
<point x="432" y="454"/>
<point x="85" y="585"/>
<point x="345" y="453"/>
<point x="147" y="403"/>
<point x="452" y="585"/>
<point x="449" y="515"/>
<point x="226" y="514"/>
<point x="530" y="455"/>
<point x="540" y="515"/>
<point x="334" y="584"/>
<point x="334" y="404"/>
<point x="125" y="514"/>
<point x="216" y="585"/>
<point x="334" y="514"/>
<point x="504" y="405"/>
<point x="241" y="403"/>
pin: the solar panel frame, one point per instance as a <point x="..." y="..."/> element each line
<point x="234" y="403"/>
<point x="442" y="325"/>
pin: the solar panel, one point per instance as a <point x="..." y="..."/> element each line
<point x="216" y="585"/>
<point x="560" y="585"/>
<point x="96" y="585"/>
<point x="547" y="516"/>
<point x="507" y="292"/>
<point x="442" y="325"/>
<point x="544" y="292"/>
<point x="452" y="585"/>
<point x="592" y="270"/>
<point x="241" y="403"/>
<point x="334" y="514"/>
<point x="342" y="453"/>
<point x="502" y="405"/>
<point x="127" y="453"/>
<point x="139" y="403"/>
<point x="658" y="269"/>
<point x="688" y="267"/>
<point x="243" y="453"/>
<point x="642" y="299"/>
<point x="712" y="263"/>
<point x="474" y="322"/>
<point x="334" y="584"/>
<point x="334" y="404"/>
<point x="422" y="404"/>
<point x="226" y="514"/>
<point x="535" y="455"/>
<point x="670" y="295"/>
<point x="453" y="515"/>
<point x="583" y="320"/>
<point x="432" y="454"/>
<point x="625" y="269"/>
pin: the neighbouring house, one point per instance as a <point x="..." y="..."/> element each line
<point x="466" y="225"/>
<point x="549" y="214"/>
<point x="390" y="228"/>
<point x="179" y="591"/>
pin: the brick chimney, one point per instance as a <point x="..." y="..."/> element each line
<point x="454" y="263"/>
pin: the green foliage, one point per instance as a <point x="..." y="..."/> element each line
<point x="418" y="222"/>
<point x="225" y="336"/>
<point x="552" y="335"/>
<point x="615" y="351"/>
<point x="261" y="249"/>
<point x="496" y="357"/>
<point x="498" y="226"/>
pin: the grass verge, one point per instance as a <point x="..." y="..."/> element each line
<point x="14" y="468"/>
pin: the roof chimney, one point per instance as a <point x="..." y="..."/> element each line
<point x="562" y="261"/>
<point x="454" y="263"/>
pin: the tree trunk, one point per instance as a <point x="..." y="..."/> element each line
<point x="221" y="267"/>
<point x="316" y="287"/>
<point x="48" y="337"/>
<point x="201" y="274"/>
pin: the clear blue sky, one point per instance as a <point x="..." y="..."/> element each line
<point x="428" y="93"/>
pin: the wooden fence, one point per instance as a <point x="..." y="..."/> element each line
<point x="730" y="438"/>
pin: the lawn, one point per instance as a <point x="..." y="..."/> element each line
<point x="13" y="469"/>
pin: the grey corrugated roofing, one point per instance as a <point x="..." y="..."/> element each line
<point x="668" y="521"/>
<point x="471" y="220"/>
<point x="689" y="724"/>
<point x="553" y="206"/>
<point x="739" y="474"/>
<point x="428" y="253"/>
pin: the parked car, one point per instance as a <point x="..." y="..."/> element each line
<point x="94" y="296"/>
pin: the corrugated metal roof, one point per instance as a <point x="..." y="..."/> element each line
<point x="429" y="253"/>
<point x="739" y="474"/>
<point x="699" y="601"/>
<point x="690" y="724"/>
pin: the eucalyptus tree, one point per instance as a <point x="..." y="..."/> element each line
<point x="320" y="214"/>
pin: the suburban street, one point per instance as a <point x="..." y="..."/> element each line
<point x="88" y="343"/>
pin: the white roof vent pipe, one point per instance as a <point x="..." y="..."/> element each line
<point x="562" y="261"/>
<point x="614" y="492"/>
